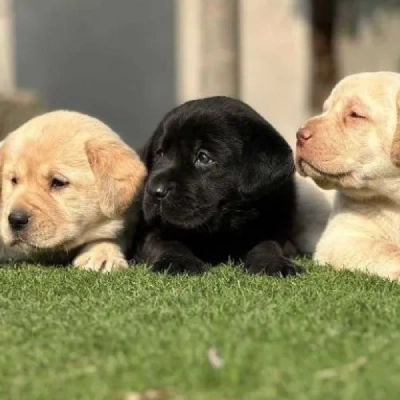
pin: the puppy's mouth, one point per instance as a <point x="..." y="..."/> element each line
<point x="23" y="246"/>
<point x="27" y="246"/>
<point x="19" y="242"/>
<point x="176" y="214"/>
<point x="309" y="169"/>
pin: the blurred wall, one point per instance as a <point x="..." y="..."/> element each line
<point x="117" y="59"/>
<point x="368" y="36"/>
<point x="274" y="58"/>
<point x="275" y="61"/>
<point x="112" y="59"/>
<point x="275" y="52"/>
<point x="6" y="46"/>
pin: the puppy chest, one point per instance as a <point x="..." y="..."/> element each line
<point x="389" y="225"/>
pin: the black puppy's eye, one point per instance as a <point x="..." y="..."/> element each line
<point x="159" y="153"/>
<point x="14" y="181"/>
<point x="58" y="183"/>
<point x="204" y="158"/>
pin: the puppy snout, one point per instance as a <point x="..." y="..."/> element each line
<point x="18" y="220"/>
<point x="302" y="135"/>
<point x="161" y="190"/>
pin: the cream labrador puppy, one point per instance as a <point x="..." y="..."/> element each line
<point x="67" y="190"/>
<point x="354" y="146"/>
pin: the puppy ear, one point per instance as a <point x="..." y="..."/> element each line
<point x="395" y="150"/>
<point x="146" y="153"/>
<point x="267" y="161"/>
<point x="119" y="174"/>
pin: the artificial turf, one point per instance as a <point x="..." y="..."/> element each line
<point x="67" y="334"/>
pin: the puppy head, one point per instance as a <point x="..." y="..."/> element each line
<point x="207" y="156"/>
<point x="355" y="143"/>
<point x="66" y="179"/>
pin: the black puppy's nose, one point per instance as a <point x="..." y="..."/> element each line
<point x="18" y="220"/>
<point x="161" y="190"/>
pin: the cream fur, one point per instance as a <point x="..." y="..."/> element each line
<point x="352" y="148"/>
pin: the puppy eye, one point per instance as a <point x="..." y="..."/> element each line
<point x="58" y="183"/>
<point x="159" y="153"/>
<point x="14" y="181"/>
<point x="355" y="115"/>
<point x="203" y="158"/>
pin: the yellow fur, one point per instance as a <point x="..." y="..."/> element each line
<point x="104" y="176"/>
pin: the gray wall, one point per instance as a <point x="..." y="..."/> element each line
<point x="113" y="59"/>
<point x="369" y="32"/>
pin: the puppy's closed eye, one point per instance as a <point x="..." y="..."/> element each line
<point x="356" y="115"/>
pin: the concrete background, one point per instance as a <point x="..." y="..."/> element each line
<point x="274" y="58"/>
<point x="275" y="52"/>
<point x="369" y="32"/>
<point x="275" y="61"/>
<point x="129" y="61"/>
<point x="7" y="65"/>
<point x="112" y="59"/>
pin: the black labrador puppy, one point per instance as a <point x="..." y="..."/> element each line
<point x="220" y="188"/>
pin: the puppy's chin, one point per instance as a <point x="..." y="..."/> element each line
<point x="31" y="245"/>
<point x="327" y="179"/>
<point x="323" y="181"/>
<point x="186" y="217"/>
<point x="24" y="247"/>
<point x="182" y="221"/>
<point x="27" y="251"/>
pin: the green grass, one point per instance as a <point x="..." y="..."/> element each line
<point x="66" y="334"/>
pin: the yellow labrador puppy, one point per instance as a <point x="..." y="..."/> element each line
<point x="68" y="189"/>
<point x="354" y="146"/>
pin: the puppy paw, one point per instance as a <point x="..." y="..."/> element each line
<point x="101" y="257"/>
<point x="272" y="266"/>
<point x="174" y="264"/>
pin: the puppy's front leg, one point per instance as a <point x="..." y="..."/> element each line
<point x="170" y="256"/>
<point x="101" y="256"/>
<point x="266" y="258"/>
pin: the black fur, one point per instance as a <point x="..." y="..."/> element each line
<point x="239" y="206"/>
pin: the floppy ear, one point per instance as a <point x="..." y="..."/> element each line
<point x="395" y="150"/>
<point x="119" y="174"/>
<point x="146" y="153"/>
<point x="267" y="161"/>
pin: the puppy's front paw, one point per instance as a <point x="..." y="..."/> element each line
<point x="175" y="264"/>
<point x="101" y="257"/>
<point x="272" y="266"/>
